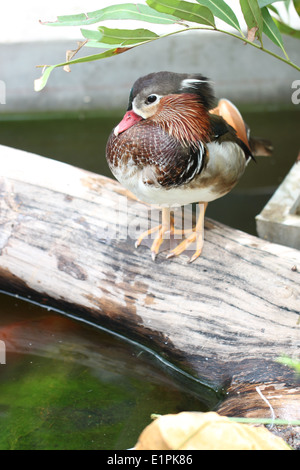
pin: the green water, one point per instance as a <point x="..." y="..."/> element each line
<point x="67" y="385"/>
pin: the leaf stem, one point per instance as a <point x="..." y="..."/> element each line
<point x="262" y="48"/>
<point x="241" y="38"/>
<point x="41" y="82"/>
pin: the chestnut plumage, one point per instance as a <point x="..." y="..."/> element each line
<point x="173" y="147"/>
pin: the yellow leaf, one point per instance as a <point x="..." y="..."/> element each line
<point x="206" y="431"/>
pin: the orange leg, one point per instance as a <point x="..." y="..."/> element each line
<point x="197" y="236"/>
<point x="167" y="225"/>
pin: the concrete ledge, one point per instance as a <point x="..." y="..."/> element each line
<point x="279" y="221"/>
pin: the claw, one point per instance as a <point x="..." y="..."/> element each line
<point x="146" y="234"/>
<point x="167" y="225"/>
<point x="197" y="236"/>
<point x="195" y="255"/>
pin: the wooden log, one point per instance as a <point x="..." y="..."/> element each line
<point x="67" y="236"/>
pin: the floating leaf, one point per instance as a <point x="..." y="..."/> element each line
<point x="205" y="431"/>
<point x="185" y="10"/>
<point x="253" y="16"/>
<point x="126" y="11"/>
<point x="221" y="10"/>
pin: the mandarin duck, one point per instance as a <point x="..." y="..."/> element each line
<point x="173" y="148"/>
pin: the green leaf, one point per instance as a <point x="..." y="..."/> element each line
<point x="126" y="11"/>
<point x="297" y="6"/>
<point x="253" y="16"/>
<point x="288" y="30"/>
<point x="264" y="3"/>
<point x="184" y="10"/>
<point x="99" y="44"/>
<point x="69" y="20"/>
<point x="125" y="37"/>
<point x="271" y="30"/>
<point x="221" y="10"/>
<point x="94" y="39"/>
<point x="40" y="83"/>
<point x="134" y="11"/>
<point x="95" y="35"/>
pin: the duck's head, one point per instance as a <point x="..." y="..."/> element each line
<point x="170" y="100"/>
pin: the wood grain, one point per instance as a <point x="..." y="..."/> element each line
<point x="68" y="236"/>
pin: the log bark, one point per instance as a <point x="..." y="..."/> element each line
<point x="67" y="237"/>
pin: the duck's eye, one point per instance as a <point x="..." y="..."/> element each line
<point x="150" y="99"/>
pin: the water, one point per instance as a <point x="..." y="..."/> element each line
<point x="67" y="385"/>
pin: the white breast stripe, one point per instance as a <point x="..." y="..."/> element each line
<point x="198" y="167"/>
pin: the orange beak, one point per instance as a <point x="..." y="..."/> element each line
<point x="129" y="119"/>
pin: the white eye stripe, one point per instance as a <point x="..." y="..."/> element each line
<point x="192" y="82"/>
<point x="135" y="109"/>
